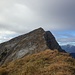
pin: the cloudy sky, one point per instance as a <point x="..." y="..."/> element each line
<point x="21" y="16"/>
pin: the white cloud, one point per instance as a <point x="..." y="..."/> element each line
<point x="21" y="16"/>
<point x="55" y="14"/>
<point x="6" y="35"/>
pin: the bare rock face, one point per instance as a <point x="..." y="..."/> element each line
<point x="29" y="43"/>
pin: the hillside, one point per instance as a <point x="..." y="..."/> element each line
<point x="48" y="62"/>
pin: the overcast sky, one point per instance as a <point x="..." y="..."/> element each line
<point x="21" y="16"/>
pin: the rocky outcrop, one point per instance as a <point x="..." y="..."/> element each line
<point x="32" y="42"/>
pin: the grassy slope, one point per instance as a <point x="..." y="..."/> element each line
<point x="44" y="63"/>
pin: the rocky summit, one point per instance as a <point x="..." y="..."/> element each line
<point x="30" y="43"/>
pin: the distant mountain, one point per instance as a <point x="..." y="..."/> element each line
<point x="69" y="48"/>
<point x="72" y="54"/>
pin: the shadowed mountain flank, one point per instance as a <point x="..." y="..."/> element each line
<point x="30" y="43"/>
<point x="51" y="42"/>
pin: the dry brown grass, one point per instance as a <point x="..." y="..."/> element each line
<point x="44" y="63"/>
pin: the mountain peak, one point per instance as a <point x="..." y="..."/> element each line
<point x="30" y="43"/>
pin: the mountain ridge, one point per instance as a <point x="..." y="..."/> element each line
<point x="35" y="53"/>
<point x="32" y="42"/>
